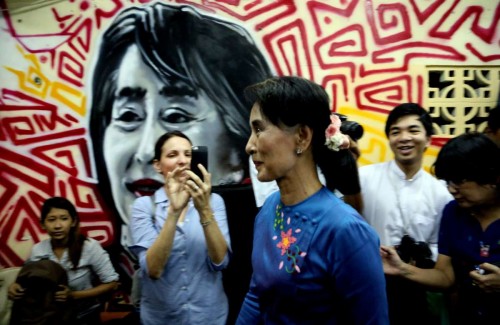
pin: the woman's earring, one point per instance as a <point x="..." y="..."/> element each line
<point x="298" y="151"/>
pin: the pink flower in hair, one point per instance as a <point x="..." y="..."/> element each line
<point x="335" y="140"/>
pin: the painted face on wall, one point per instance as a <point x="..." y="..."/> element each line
<point x="272" y="149"/>
<point x="144" y="108"/>
<point x="408" y="140"/>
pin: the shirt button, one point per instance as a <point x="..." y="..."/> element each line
<point x="183" y="270"/>
<point x="184" y="288"/>
<point x="185" y="306"/>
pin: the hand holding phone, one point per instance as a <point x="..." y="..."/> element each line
<point x="199" y="155"/>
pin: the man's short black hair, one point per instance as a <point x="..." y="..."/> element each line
<point x="409" y="109"/>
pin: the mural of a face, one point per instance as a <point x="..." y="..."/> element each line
<point x="161" y="68"/>
<point x="144" y="108"/>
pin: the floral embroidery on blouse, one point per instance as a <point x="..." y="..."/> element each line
<point x="290" y="252"/>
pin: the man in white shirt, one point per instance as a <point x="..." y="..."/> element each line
<point x="400" y="198"/>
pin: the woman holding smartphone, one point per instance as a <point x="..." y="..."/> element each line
<point x="181" y="238"/>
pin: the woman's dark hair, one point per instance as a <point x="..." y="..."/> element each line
<point x="409" y="109"/>
<point x="75" y="238"/>
<point x="298" y="101"/>
<point x="179" y="44"/>
<point x="470" y="156"/>
<point x="161" y="141"/>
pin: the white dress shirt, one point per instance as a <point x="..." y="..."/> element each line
<point x="395" y="206"/>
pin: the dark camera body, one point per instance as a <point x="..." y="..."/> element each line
<point x="199" y="155"/>
<point x="415" y="252"/>
<point x="351" y="128"/>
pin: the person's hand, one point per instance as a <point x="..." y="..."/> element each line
<point x="176" y="190"/>
<point x="393" y="265"/>
<point x="15" y="291"/>
<point x="63" y="294"/>
<point x="200" y="190"/>
<point x="353" y="148"/>
<point x="490" y="280"/>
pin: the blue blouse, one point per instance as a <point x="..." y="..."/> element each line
<point x="190" y="290"/>
<point x="316" y="262"/>
<point x="464" y="241"/>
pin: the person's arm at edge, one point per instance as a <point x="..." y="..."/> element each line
<point x="359" y="272"/>
<point x="96" y="291"/>
<point x="217" y="235"/>
<point x="441" y="276"/>
<point x="159" y="252"/>
<point x="250" y="309"/>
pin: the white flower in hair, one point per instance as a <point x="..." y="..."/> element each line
<point x="335" y="140"/>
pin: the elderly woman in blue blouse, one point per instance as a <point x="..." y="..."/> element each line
<point x="83" y="258"/>
<point x="181" y="238"/>
<point x="315" y="260"/>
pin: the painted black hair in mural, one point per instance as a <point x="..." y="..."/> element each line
<point x="178" y="43"/>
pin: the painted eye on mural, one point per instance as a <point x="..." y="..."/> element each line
<point x="176" y="115"/>
<point x="128" y="118"/>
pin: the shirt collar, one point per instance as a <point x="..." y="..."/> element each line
<point x="393" y="166"/>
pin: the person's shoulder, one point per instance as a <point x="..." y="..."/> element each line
<point x="450" y="207"/>
<point x="370" y="176"/>
<point x="41" y="250"/>
<point x="91" y="244"/>
<point x="438" y="186"/>
<point x="369" y="169"/>
<point x="144" y="200"/>
<point x="42" y="245"/>
<point x="271" y="202"/>
<point x="452" y="212"/>
<point x="217" y="200"/>
<point x="216" y="196"/>
<point x="339" y="212"/>
<point x="273" y="198"/>
<point x="345" y="219"/>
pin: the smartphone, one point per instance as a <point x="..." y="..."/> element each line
<point x="199" y="156"/>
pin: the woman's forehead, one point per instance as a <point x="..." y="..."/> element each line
<point x="176" y="143"/>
